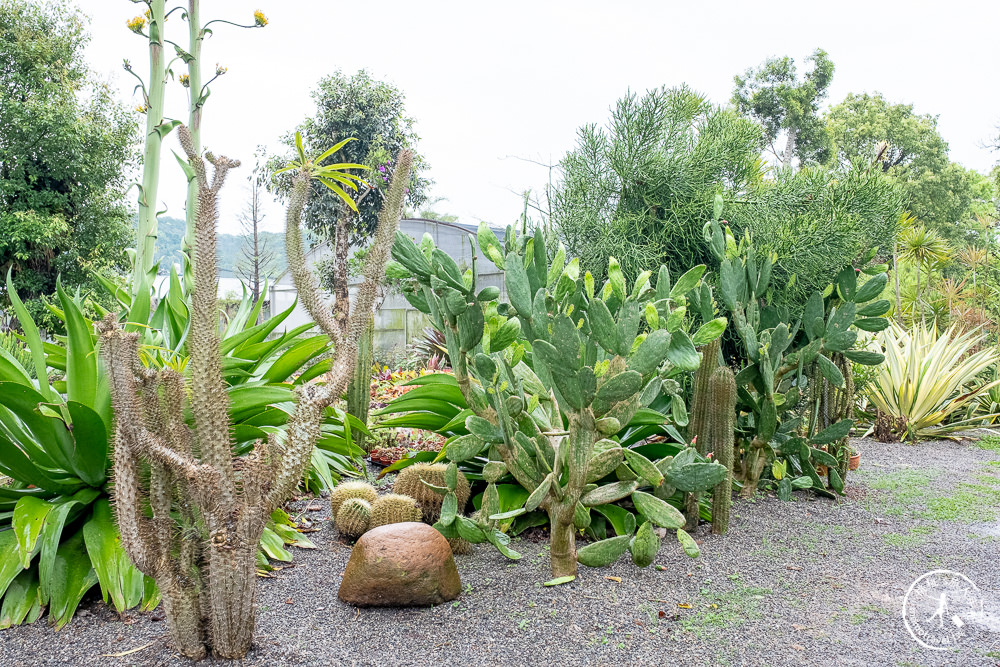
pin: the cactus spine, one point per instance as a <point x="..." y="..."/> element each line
<point x="394" y="508"/>
<point x="702" y="403"/>
<point x="347" y="490"/>
<point x="354" y="517"/>
<point x="410" y="481"/>
<point x="359" y="389"/>
<point x="203" y="556"/>
<point x="719" y="436"/>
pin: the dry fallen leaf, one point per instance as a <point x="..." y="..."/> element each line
<point x="683" y="605"/>
<point x="661" y="614"/>
<point x="617" y="579"/>
<point x="798" y="648"/>
<point x="799" y="627"/>
<point x="289" y="601"/>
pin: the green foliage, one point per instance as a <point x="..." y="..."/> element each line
<point x="67" y="153"/>
<point x="912" y="153"/>
<point x="550" y="377"/>
<point x="641" y="188"/>
<point x="775" y="97"/>
<point x="359" y="388"/>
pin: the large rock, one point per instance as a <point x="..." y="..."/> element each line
<point x="400" y="565"/>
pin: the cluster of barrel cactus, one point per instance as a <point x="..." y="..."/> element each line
<point x="781" y="350"/>
<point x="356" y="508"/>
<point x="551" y="377"/>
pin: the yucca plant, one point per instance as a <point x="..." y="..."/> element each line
<point x="928" y="377"/>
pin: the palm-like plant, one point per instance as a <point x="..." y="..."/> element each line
<point x="924" y="248"/>
<point x="928" y="376"/>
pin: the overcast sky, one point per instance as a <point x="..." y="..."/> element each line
<point x="491" y="82"/>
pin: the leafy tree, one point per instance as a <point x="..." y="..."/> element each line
<point x="66" y="150"/>
<point x="942" y="194"/>
<point x="774" y="96"/>
<point x="641" y="188"/>
<point x="373" y="114"/>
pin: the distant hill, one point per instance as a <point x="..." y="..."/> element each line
<point x="168" y="247"/>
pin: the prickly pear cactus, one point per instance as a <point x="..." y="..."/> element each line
<point x="394" y="508"/>
<point x="777" y="349"/>
<point x="426" y="483"/>
<point x="552" y="376"/>
<point x="346" y="490"/>
<point x="354" y="517"/>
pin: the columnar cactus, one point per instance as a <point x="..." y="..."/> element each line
<point x="550" y="423"/>
<point x="359" y="389"/>
<point x="702" y="407"/>
<point x="195" y="522"/>
<point x="719" y="436"/>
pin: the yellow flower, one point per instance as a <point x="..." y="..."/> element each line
<point x="142" y="108"/>
<point x="137" y="24"/>
<point x="220" y="70"/>
<point x="259" y="18"/>
<point x="185" y="80"/>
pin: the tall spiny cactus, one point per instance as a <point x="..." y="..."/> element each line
<point x="208" y="509"/>
<point x="719" y="436"/>
<point x="359" y="389"/>
<point x="702" y="408"/>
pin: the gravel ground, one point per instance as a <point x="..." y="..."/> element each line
<point x="794" y="583"/>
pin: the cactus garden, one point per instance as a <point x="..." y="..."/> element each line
<point x="724" y="390"/>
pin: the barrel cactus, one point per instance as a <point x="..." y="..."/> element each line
<point x="346" y="490"/>
<point x="354" y="517"/>
<point x="417" y="480"/>
<point x="394" y="508"/>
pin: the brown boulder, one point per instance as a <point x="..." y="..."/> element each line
<point x="400" y="565"/>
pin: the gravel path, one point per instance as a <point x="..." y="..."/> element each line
<point x="799" y="583"/>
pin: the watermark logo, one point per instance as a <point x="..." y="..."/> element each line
<point x="938" y="608"/>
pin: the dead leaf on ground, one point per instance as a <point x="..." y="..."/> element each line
<point x="615" y="579"/>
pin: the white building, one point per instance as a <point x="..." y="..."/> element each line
<point x="396" y="321"/>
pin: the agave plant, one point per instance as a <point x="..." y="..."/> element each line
<point x="928" y="377"/>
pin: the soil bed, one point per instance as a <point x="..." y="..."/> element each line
<point x="794" y="583"/>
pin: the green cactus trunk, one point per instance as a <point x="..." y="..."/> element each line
<point x="359" y="389"/>
<point x="719" y="439"/>
<point x="702" y="404"/>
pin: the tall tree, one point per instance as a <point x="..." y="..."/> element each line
<point x="66" y="153"/>
<point x="373" y="114"/>
<point x="257" y="260"/>
<point x="940" y="193"/>
<point x="774" y="96"/>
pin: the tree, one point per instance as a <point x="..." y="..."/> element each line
<point x="773" y="95"/>
<point x="257" y="259"/>
<point x="372" y="114"/>
<point x="66" y="152"/>
<point x="940" y="193"/>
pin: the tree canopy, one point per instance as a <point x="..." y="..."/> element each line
<point x="66" y="151"/>
<point x="774" y="96"/>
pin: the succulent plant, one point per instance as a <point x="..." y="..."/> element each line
<point x="550" y="416"/>
<point x="460" y="547"/>
<point x="394" y="508"/>
<point x="417" y="480"/>
<point x="702" y="405"/>
<point x="359" y="389"/>
<point x="719" y="436"/>
<point x="354" y="517"/>
<point x="191" y="515"/>
<point x="352" y="489"/>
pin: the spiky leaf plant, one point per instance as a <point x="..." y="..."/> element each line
<point x="195" y="524"/>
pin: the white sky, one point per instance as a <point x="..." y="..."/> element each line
<point x="490" y="82"/>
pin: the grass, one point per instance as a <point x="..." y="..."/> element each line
<point x="990" y="442"/>
<point x="916" y="537"/>
<point x="911" y="494"/>
<point x="867" y="612"/>
<point x="725" y="610"/>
